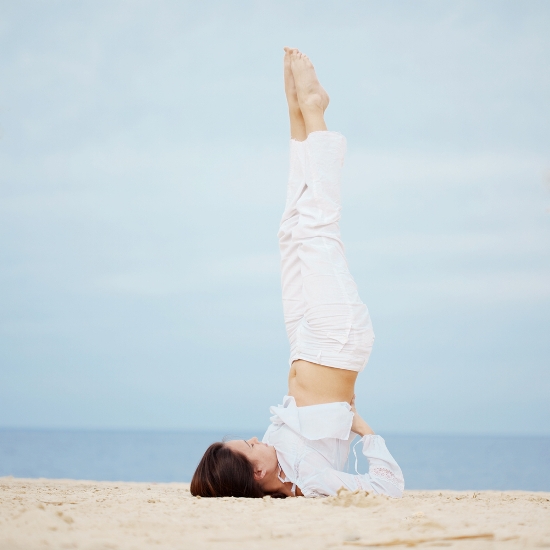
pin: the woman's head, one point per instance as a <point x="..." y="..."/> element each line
<point x="236" y="469"/>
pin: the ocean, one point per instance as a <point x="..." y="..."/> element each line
<point x="427" y="461"/>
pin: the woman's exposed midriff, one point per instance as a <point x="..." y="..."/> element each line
<point x="313" y="384"/>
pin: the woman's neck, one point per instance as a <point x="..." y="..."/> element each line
<point x="275" y="485"/>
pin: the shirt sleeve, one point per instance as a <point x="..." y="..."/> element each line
<point x="384" y="476"/>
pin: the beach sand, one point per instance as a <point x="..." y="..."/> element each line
<point x="59" y="514"/>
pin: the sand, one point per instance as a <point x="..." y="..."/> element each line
<point x="58" y="514"/>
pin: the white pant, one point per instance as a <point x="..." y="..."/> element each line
<point x="326" y="321"/>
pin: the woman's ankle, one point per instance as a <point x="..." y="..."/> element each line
<point x="297" y="124"/>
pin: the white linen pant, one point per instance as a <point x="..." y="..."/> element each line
<point x="326" y="321"/>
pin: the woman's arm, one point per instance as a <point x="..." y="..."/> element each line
<point x="359" y="426"/>
<point x="384" y="476"/>
<point x="382" y="467"/>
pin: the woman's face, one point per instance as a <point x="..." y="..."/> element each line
<point x="262" y="456"/>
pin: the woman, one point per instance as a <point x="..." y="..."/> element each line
<point x="307" y="444"/>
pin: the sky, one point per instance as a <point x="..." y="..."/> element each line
<point x="143" y="166"/>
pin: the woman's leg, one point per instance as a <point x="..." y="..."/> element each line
<point x="291" y="275"/>
<point x="312" y="97"/>
<point x="297" y="123"/>
<point x="291" y="271"/>
<point x="334" y="338"/>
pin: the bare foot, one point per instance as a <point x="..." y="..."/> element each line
<point x="297" y="123"/>
<point x="311" y="95"/>
<point x="290" y="86"/>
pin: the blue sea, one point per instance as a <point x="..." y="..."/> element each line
<point x="428" y="462"/>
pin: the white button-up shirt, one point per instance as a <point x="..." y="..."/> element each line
<point x="313" y="443"/>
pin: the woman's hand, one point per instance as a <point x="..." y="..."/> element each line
<point x="359" y="426"/>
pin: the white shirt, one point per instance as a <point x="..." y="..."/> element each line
<point x="313" y="443"/>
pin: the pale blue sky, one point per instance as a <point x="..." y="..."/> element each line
<point x="143" y="159"/>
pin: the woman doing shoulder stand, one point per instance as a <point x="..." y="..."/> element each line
<point x="306" y="447"/>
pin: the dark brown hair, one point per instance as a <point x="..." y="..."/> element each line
<point x="224" y="473"/>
